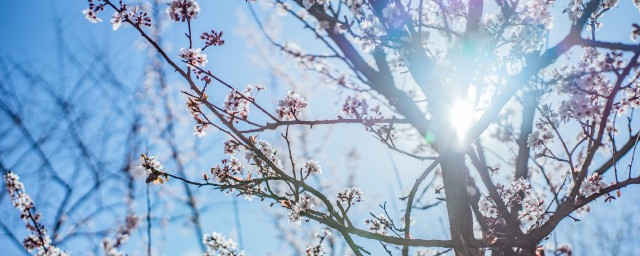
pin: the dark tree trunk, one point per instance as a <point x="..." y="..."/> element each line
<point x="454" y="174"/>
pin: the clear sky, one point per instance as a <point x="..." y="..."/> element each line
<point x="32" y="41"/>
<point x="29" y="36"/>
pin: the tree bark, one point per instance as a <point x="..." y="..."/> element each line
<point x="454" y="174"/>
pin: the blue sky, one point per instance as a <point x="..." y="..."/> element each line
<point x="32" y="42"/>
<point x="29" y="38"/>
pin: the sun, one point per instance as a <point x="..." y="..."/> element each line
<point x="461" y="117"/>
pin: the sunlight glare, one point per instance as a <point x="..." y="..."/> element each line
<point x="462" y="115"/>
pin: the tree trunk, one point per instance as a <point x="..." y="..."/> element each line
<point x="454" y="174"/>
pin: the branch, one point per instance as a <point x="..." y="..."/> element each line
<point x="407" y="214"/>
<point x="511" y="220"/>
<point x="273" y="126"/>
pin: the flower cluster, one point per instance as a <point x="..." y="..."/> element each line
<point x="630" y="99"/>
<point x="574" y="10"/>
<point x="393" y="15"/>
<point x="237" y="103"/>
<point x="212" y="39"/>
<point x="229" y="174"/>
<point x="536" y="138"/>
<point x="230" y="167"/>
<point x="533" y="18"/>
<point x="592" y="184"/>
<point x="116" y="20"/>
<point x="356" y="6"/>
<point x="318" y="249"/>
<point x="39" y="238"/>
<point x="305" y="203"/>
<point x="313" y="167"/>
<point x="307" y="4"/>
<point x="91" y="11"/>
<point x="270" y="152"/>
<point x="137" y="16"/>
<point x="588" y="87"/>
<point x="530" y="39"/>
<point x="183" y="10"/>
<point x="379" y="225"/>
<point x="583" y="103"/>
<point x="518" y="193"/>
<point x="315" y="251"/>
<point x="193" y="57"/>
<point x="355" y="107"/>
<point x="533" y="210"/>
<point x="231" y="147"/>
<point x="291" y="106"/>
<point x="371" y="29"/>
<point x="358" y="108"/>
<point x="366" y="44"/>
<point x="545" y="126"/>
<point x="110" y="246"/>
<point x="487" y="207"/>
<point x="307" y="61"/>
<point x="154" y="169"/>
<point x="350" y="196"/>
<point x="193" y="106"/>
<point x="90" y="15"/>
<point x="536" y="12"/>
<point x="219" y="246"/>
<point x="635" y="33"/>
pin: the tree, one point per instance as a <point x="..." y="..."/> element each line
<point x="516" y="134"/>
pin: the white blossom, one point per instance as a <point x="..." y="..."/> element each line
<point x="313" y="167"/>
<point x="307" y="4"/>
<point x="519" y="192"/>
<point x="379" y="225"/>
<point x="306" y="202"/>
<point x="270" y="152"/>
<point x="193" y="57"/>
<point x="592" y="184"/>
<point x="487" y="207"/>
<point x="217" y="245"/>
<point x="291" y="106"/>
<point x="237" y="103"/>
<point x="366" y="44"/>
<point x="392" y="15"/>
<point x="355" y="107"/>
<point x="90" y="15"/>
<point x="231" y="147"/>
<point x="116" y="20"/>
<point x="182" y="10"/>
<point x="200" y="131"/>
<point x="315" y="251"/>
<point x="350" y="196"/>
<point x="323" y="233"/>
<point x="111" y="245"/>
<point x="536" y="12"/>
<point x="38" y="238"/>
<point x="150" y="163"/>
